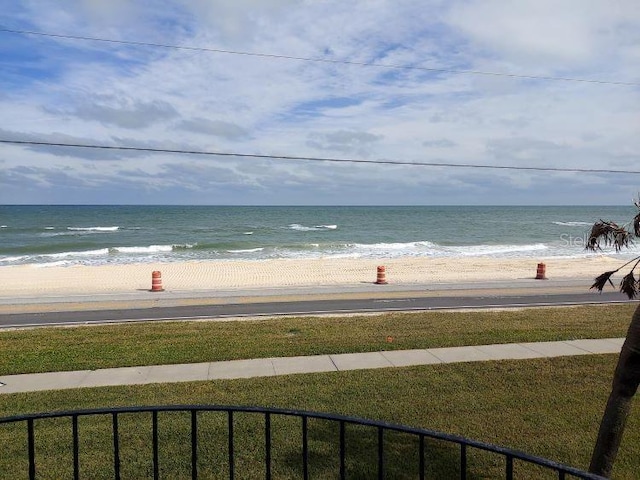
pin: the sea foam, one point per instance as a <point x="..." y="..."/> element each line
<point x="149" y="249"/>
<point x="93" y="229"/>
<point x="430" y="249"/>
<point x="302" y="228"/>
<point x="573" y="224"/>
<point x="246" y="250"/>
<point x="13" y="259"/>
<point x="82" y="253"/>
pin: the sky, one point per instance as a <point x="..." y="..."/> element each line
<point x="374" y="80"/>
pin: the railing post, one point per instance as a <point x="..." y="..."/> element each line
<point x="267" y="445"/>
<point x="194" y="445"/>
<point x="231" y="452"/>
<point x="305" y="449"/>
<point x="154" y="440"/>
<point x="509" y="471"/>
<point x="32" y="449"/>
<point x="116" y="447"/>
<point x="343" y="469"/>
<point x="421" y="457"/>
<point x="380" y="453"/>
<point x="76" y="447"/>
<point x="463" y="461"/>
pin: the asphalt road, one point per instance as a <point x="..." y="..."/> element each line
<point x="302" y="307"/>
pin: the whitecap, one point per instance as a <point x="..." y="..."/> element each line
<point x="59" y="234"/>
<point x="149" y="249"/>
<point x="248" y="250"/>
<point x="184" y="246"/>
<point x="58" y="263"/>
<point x="409" y="249"/>
<point x="389" y="246"/>
<point x="429" y="249"/>
<point x="303" y="228"/>
<point x="490" y="250"/>
<point x="93" y="229"/>
<point x="89" y="253"/>
<point x="13" y="259"/>
<point x="572" y="224"/>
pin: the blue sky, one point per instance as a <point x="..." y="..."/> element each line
<point x="61" y="90"/>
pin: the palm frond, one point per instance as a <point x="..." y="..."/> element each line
<point x="621" y="239"/>
<point x="629" y="285"/>
<point x="601" y="280"/>
<point x="610" y="233"/>
<point x="636" y="224"/>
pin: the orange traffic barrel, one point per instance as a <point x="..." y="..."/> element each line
<point x="381" y="278"/>
<point x="156" y="282"/>
<point x="541" y="272"/>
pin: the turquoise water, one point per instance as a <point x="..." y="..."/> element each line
<point x="92" y="235"/>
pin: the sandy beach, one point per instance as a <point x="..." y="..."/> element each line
<point x="33" y="281"/>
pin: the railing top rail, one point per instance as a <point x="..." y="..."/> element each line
<point x="515" y="454"/>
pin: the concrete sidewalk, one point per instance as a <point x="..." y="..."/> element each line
<point x="266" y="367"/>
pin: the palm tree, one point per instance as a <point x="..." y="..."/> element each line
<point x="627" y="373"/>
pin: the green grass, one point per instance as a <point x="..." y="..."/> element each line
<point x="78" y="348"/>
<point x="546" y="407"/>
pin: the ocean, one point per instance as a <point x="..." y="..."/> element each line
<point x="66" y="235"/>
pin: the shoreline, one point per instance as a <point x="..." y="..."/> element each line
<point x="33" y="281"/>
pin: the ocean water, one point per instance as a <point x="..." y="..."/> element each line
<point x="96" y="235"/>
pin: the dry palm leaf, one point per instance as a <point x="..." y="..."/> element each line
<point x="610" y="233"/>
<point x="601" y="280"/>
<point x="629" y="285"/>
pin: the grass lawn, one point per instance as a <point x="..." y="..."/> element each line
<point x="153" y="343"/>
<point x="546" y="407"/>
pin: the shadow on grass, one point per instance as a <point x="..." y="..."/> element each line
<point x="246" y="453"/>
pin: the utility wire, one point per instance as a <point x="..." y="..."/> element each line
<point x="320" y="159"/>
<point x="318" y="60"/>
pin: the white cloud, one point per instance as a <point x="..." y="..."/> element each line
<point x="217" y="128"/>
<point x="95" y="92"/>
<point x="546" y="34"/>
<point x="122" y="112"/>
<point x="343" y="141"/>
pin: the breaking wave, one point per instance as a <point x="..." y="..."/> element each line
<point x="573" y="224"/>
<point x="93" y="229"/>
<point x="247" y="250"/>
<point x="302" y="228"/>
<point x="149" y="249"/>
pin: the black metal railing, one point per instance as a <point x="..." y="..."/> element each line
<point x="211" y="441"/>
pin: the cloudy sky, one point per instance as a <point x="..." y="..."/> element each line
<point x="379" y="84"/>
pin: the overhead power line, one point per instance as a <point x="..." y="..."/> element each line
<point x="319" y="159"/>
<point x="318" y="60"/>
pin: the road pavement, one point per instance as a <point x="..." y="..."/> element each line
<point x="321" y="300"/>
